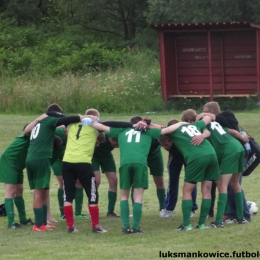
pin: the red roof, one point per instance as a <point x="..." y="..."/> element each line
<point x="204" y="26"/>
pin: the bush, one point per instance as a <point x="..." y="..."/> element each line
<point x="92" y="57"/>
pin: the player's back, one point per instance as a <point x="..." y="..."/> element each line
<point x="222" y="141"/>
<point x="81" y="142"/>
<point x="41" y="139"/>
<point x="134" y="145"/>
<point x="182" y="139"/>
<point x="16" y="152"/>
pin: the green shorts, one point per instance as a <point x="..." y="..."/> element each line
<point x="107" y="163"/>
<point x="204" y="168"/>
<point x="39" y="173"/>
<point x="231" y="163"/>
<point x="57" y="167"/>
<point x="133" y="174"/>
<point x="155" y="163"/>
<point x="9" y="174"/>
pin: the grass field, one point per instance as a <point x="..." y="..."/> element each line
<point x="159" y="232"/>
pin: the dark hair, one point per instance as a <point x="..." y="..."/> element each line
<point x="164" y="138"/>
<point x="172" y="122"/>
<point x="57" y="142"/>
<point x="135" y="119"/>
<point x="114" y="139"/>
<point x="101" y="137"/>
<point x="54" y="108"/>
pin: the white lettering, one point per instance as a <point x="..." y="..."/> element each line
<point x="35" y="131"/>
<point x="200" y="57"/>
<point x="93" y="189"/>
<point x="199" y="49"/>
<point x="250" y="161"/>
<point x="243" y="56"/>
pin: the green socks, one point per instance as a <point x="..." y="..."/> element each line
<point x="204" y="210"/>
<point x="186" y="209"/>
<point x="124" y="213"/>
<point x="44" y="215"/>
<point x="38" y="213"/>
<point x="222" y="202"/>
<point x="161" y="198"/>
<point x="78" y="201"/>
<point x="137" y="214"/>
<point x="239" y="205"/>
<point x="111" y="201"/>
<point x="61" y="201"/>
<point x="19" y="203"/>
<point x="226" y="209"/>
<point x="9" y="207"/>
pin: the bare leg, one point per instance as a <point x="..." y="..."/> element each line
<point x="49" y="216"/>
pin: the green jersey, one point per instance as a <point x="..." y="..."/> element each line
<point x="60" y="132"/>
<point x="15" y="154"/>
<point x="134" y="146"/>
<point x="222" y="141"/>
<point x="103" y="149"/>
<point x="155" y="148"/>
<point x="41" y="139"/>
<point x="58" y="154"/>
<point x="182" y="140"/>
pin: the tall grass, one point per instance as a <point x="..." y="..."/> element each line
<point x="134" y="87"/>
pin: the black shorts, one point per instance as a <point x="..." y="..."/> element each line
<point x="84" y="173"/>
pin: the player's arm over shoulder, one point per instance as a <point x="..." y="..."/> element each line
<point x="155" y="133"/>
<point x="172" y="128"/>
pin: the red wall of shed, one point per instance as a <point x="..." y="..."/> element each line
<point x="184" y="64"/>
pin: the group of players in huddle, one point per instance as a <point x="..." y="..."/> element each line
<point x="75" y="147"/>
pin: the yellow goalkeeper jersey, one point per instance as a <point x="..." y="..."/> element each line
<point x="80" y="143"/>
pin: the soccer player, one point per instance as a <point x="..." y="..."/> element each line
<point x="226" y="119"/>
<point x="12" y="163"/>
<point x="230" y="155"/>
<point x="175" y="164"/>
<point x="77" y="165"/>
<point x="38" y="160"/>
<point x="155" y="165"/>
<point x="134" y="147"/>
<point x="57" y="170"/>
<point x="201" y="166"/>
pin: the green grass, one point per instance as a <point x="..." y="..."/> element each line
<point x="159" y="233"/>
<point x="137" y="79"/>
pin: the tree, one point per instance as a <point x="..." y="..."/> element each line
<point x="122" y="18"/>
<point x="25" y="12"/>
<point x="198" y="11"/>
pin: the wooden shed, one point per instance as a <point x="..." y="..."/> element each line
<point x="209" y="59"/>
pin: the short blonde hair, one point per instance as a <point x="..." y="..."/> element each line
<point x="92" y="112"/>
<point x="189" y="115"/>
<point x="213" y="107"/>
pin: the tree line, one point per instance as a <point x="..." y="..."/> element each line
<point x="56" y="36"/>
<point x="126" y="19"/>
